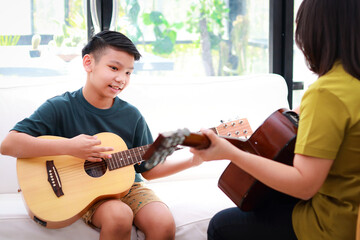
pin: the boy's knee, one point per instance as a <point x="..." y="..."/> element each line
<point x="117" y="224"/>
<point x="120" y="217"/>
<point x="169" y="229"/>
<point x="164" y="230"/>
<point x="113" y="215"/>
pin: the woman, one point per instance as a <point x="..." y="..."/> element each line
<point x="325" y="175"/>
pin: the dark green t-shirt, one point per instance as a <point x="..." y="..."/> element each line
<point x="69" y="115"/>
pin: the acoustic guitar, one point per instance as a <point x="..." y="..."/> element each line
<point x="58" y="190"/>
<point x="274" y="139"/>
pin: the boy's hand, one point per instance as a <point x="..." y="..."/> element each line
<point x="87" y="147"/>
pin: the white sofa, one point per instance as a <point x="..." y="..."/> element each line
<point x="167" y="104"/>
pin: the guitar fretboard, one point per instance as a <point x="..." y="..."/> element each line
<point x="127" y="157"/>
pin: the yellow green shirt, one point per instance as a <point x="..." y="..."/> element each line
<point x="329" y="128"/>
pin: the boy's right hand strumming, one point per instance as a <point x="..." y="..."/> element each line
<point x="87" y="147"/>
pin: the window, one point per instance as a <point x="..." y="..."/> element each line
<point x="42" y="38"/>
<point x="198" y="38"/>
<point x="187" y="37"/>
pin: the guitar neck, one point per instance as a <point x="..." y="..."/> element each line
<point x="200" y="141"/>
<point x="127" y="157"/>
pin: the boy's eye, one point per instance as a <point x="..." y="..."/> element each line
<point x="128" y="73"/>
<point x="113" y="68"/>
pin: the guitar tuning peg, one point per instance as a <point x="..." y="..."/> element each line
<point x="224" y="124"/>
<point x="229" y="134"/>
<point x="233" y="124"/>
<point x="241" y="121"/>
<point x="237" y="133"/>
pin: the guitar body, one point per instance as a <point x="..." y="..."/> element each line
<point x="56" y="208"/>
<point x="274" y="139"/>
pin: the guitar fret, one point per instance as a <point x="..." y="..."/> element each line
<point x="133" y="154"/>
<point x="110" y="162"/>
<point x="117" y="162"/>
<point x="123" y="158"/>
<point x="138" y="157"/>
<point x="126" y="157"/>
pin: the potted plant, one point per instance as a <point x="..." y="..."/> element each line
<point x="35" y="42"/>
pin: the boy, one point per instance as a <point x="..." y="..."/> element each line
<point x="108" y="60"/>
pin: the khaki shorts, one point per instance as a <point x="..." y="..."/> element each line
<point x="137" y="197"/>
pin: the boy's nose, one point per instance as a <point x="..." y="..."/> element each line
<point x="120" y="79"/>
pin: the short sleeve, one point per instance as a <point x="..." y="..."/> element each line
<point x="41" y="122"/>
<point x="323" y="119"/>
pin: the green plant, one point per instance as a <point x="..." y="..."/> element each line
<point x="59" y="39"/>
<point x="165" y="33"/>
<point x="129" y="12"/>
<point x="72" y="32"/>
<point x="9" y="40"/>
<point x="75" y="29"/>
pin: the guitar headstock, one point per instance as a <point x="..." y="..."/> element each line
<point x="164" y="145"/>
<point x="237" y="128"/>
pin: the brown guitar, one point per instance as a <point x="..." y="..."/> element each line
<point x="58" y="190"/>
<point x="274" y="139"/>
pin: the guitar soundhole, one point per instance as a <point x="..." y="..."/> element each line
<point x="95" y="169"/>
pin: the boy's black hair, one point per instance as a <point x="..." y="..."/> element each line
<point x="112" y="39"/>
<point x="328" y="31"/>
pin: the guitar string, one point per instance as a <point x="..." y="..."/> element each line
<point x="71" y="170"/>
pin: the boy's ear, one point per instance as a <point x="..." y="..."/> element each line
<point x="87" y="62"/>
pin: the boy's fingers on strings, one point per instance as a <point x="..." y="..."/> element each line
<point x="94" y="159"/>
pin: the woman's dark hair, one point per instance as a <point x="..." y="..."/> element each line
<point x="112" y="39"/>
<point x="328" y="31"/>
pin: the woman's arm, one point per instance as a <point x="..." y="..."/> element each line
<point x="173" y="164"/>
<point x="302" y="180"/>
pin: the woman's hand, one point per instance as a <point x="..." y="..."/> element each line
<point x="219" y="149"/>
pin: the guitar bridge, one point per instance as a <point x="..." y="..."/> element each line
<point x="54" y="178"/>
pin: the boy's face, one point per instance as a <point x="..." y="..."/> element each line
<point x="110" y="73"/>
